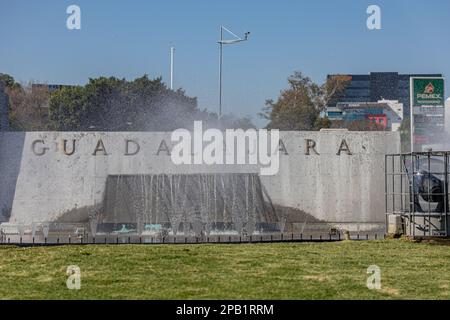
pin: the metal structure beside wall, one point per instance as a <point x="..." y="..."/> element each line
<point x="417" y="195"/>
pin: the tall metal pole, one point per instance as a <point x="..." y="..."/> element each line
<point x="220" y="71"/>
<point x="172" y="50"/>
<point x="221" y="43"/>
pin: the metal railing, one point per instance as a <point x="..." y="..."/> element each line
<point x="28" y="240"/>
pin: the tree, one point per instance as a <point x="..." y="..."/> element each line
<point x="28" y="107"/>
<point x="66" y="109"/>
<point x="333" y="89"/>
<point x="322" y="123"/>
<point x="363" y="125"/>
<point x="111" y="104"/>
<point x="299" y="107"/>
<point x="8" y="81"/>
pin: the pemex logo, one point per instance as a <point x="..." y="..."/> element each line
<point x="429" y="92"/>
<point x="429" y="89"/>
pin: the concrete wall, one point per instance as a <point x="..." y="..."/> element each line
<point x="11" y="149"/>
<point x="335" y="188"/>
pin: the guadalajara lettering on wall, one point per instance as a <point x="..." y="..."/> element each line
<point x="68" y="147"/>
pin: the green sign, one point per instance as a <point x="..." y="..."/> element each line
<point x="428" y="92"/>
<point x="427" y="112"/>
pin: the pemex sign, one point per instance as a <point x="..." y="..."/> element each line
<point x="428" y="91"/>
<point x="427" y="111"/>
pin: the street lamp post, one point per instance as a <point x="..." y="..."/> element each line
<point x="223" y="42"/>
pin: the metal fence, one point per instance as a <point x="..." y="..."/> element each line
<point x="28" y="240"/>
<point x="416" y="192"/>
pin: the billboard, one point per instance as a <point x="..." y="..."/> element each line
<point x="427" y="112"/>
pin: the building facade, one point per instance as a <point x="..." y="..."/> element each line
<point x="378" y="86"/>
<point x="386" y="113"/>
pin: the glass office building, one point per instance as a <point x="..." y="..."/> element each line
<point x="378" y="86"/>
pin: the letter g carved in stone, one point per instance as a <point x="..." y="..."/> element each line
<point x="41" y="151"/>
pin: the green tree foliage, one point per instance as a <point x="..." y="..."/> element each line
<point x="300" y="105"/>
<point x="67" y="107"/>
<point x="111" y="104"/>
<point x="8" y="81"/>
<point x="322" y="123"/>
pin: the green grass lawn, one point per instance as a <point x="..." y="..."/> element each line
<point x="248" y="271"/>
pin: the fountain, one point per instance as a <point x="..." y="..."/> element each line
<point x="46" y="229"/>
<point x="191" y="204"/>
<point x="93" y="216"/>
<point x="33" y="230"/>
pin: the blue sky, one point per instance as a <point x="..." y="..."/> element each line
<point x="130" y="38"/>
